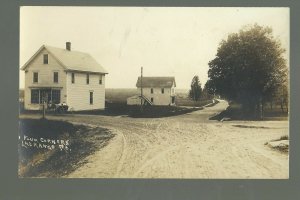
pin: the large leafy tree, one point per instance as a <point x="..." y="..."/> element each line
<point x="248" y="68"/>
<point x="196" y="90"/>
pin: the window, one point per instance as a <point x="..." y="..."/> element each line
<point x="151" y="90"/>
<point x="45" y="95"/>
<point x="35" y="77"/>
<point x="152" y="99"/>
<point x="87" y="79"/>
<point x="91" y="97"/>
<point x="162" y="90"/>
<point x="55" y="77"/>
<point x="100" y="79"/>
<point x="73" y="77"/>
<point x="45" y="58"/>
<point x="55" y="96"/>
<point x="35" y="96"/>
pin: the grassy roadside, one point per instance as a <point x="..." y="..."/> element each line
<point x="234" y="112"/>
<point x="49" y="148"/>
<point x="121" y="109"/>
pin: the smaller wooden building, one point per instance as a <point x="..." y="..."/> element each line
<point x="156" y="91"/>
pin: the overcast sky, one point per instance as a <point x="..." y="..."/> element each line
<point x="165" y="41"/>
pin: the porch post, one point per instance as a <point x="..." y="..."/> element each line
<point x="39" y="96"/>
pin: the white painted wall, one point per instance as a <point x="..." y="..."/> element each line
<point x="78" y="93"/>
<point x="45" y="78"/>
<point x="134" y="100"/>
<point x="159" y="98"/>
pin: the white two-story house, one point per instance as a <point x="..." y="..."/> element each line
<point x="156" y="91"/>
<point x="61" y="75"/>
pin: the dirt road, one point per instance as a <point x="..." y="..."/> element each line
<point x="185" y="146"/>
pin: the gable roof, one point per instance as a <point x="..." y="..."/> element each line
<point x="71" y="60"/>
<point x="156" y="82"/>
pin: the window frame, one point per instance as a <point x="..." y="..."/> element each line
<point x="100" y="79"/>
<point x="54" y="80"/>
<point x="55" y="95"/>
<point x="87" y="78"/>
<point x="72" y="77"/>
<point x="35" y="79"/>
<point x="91" y="97"/>
<point x="45" y="59"/>
<point x="37" y="100"/>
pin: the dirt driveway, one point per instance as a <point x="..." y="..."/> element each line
<point x="185" y="146"/>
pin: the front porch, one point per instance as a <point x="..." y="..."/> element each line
<point x="39" y="95"/>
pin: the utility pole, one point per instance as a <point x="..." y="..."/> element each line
<point x="141" y="89"/>
<point x="44" y="108"/>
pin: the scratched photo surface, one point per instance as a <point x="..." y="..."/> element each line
<point x="154" y="92"/>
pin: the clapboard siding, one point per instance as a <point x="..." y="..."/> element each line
<point x="45" y="77"/>
<point x="158" y="97"/>
<point x="78" y="93"/>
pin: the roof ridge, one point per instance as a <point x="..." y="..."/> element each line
<point x="71" y="60"/>
<point x="66" y="49"/>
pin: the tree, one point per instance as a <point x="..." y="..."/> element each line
<point x="196" y="90"/>
<point x="248" y="68"/>
<point x="209" y="88"/>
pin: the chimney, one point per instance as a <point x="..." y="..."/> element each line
<point x="68" y="46"/>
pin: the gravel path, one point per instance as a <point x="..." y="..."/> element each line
<point x="185" y="146"/>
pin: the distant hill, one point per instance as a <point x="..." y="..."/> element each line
<point x="119" y="95"/>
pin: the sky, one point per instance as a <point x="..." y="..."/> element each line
<point x="165" y="41"/>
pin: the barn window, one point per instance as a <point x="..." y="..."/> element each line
<point x="162" y="90"/>
<point x="91" y="98"/>
<point x="152" y="99"/>
<point x="100" y="79"/>
<point x="151" y="90"/>
<point x="73" y="78"/>
<point x="45" y="58"/>
<point x="35" y="77"/>
<point x="87" y="79"/>
<point x="55" y="77"/>
<point x="35" y="96"/>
